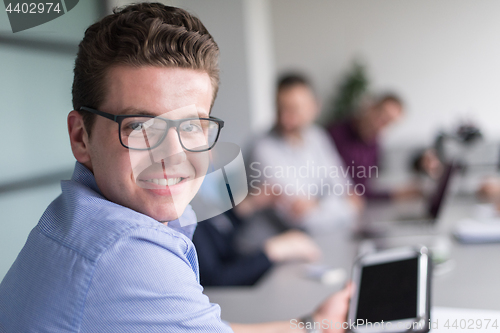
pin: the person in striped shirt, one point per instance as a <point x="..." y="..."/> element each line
<point x="110" y="253"/>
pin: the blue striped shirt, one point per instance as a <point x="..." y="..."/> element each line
<point x="91" y="265"/>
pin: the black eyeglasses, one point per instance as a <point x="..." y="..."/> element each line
<point x="144" y="132"/>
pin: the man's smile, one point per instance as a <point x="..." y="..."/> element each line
<point x="163" y="181"/>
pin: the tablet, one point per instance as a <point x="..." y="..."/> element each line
<point x="392" y="292"/>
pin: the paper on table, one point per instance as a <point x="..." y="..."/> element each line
<point x="454" y="320"/>
<point x="473" y="231"/>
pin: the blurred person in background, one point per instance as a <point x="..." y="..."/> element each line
<point x="221" y="261"/>
<point x="490" y="189"/>
<point x="427" y="162"/>
<point x="357" y="141"/>
<point x="296" y="168"/>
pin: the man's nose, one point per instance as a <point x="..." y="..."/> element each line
<point x="170" y="150"/>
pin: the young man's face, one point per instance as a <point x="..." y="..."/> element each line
<point x="136" y="179"/>
<point x="384" y="115"/>
<point x="297" y="108"/>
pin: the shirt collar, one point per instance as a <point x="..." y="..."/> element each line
<point x="84" y="176"/>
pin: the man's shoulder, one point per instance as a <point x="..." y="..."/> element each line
<point x="264" y="138"/>
<point x="79" y="233"/>
<point x="340" y="126"/>
<point x="317" y="132"/>
<point x="269" y="142"/>
<point x="87" y="223"/>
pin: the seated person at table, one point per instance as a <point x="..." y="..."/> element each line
<point x="357" y="141"/>
<point x="489" y="191"/>
<point x="297" y="166"/>
<point x="109" y="254"/>
<point x="222" y="263"/>
<point x="426" y="162"/>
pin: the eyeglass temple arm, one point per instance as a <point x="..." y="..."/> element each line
<point x="100" y="113"/>
<point x="219" y="121"/>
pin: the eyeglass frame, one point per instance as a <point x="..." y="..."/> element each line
<point x="170" y="123"/>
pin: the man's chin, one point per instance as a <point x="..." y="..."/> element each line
<point x="163" y="211"/>
<point x="164" y="217"/>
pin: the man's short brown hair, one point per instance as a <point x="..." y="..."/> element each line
<point x="291" y="80"/>
<point x="145" y="34"/>
<point x="388" y="97"/>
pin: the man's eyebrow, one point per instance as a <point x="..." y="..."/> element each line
<point x="134" y="111"/>
<point x="129" y="111"/>
<point x="203" y="114"/>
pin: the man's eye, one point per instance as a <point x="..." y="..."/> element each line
<point x="191" y="127"/>
<point x="137" y="126"/>
<point x="139" y="129"/>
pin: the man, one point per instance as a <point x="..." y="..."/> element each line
<point x="109" y="255"/>
<point x="357" y="141"/>
<point x="297" y="163"/>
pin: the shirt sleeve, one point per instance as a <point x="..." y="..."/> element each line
<point x="332" y="210"/>
<point x="147" y="282"/>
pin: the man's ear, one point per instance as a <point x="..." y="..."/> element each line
<point x="79" y="138"/>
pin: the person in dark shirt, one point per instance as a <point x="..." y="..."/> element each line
<point x="222" y="264"/>
<point x="357" y="141"/>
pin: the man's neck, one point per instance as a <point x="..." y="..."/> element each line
<point x="293" y="137"/>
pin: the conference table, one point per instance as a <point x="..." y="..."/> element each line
<point x="469" y="279"/>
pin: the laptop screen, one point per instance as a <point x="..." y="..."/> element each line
<point x="437" y="198"/>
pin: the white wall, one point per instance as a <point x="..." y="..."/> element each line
<point x="260" y="62"/>
<point x="35" y="95"/>
<point x="225" y="21"/>
<point x="442" y="56"/>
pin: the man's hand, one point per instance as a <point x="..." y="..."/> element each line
<point x="291" y="245"/>
<point x="256" y="201"/>
<point x="358" y="202"/>
<point x="408" y="192"/>
<point x="301" y="206"/>
<point x="334" y="309"/>
<point x="489" y="189"/>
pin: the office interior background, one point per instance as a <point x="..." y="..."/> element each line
<point x="441" y="56"/>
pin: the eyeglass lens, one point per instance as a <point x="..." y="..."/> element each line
<point x="147" y="133"/>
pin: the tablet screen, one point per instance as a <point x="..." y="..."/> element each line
<point x="388" y="291"/>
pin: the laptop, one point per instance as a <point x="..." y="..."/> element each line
<point x="407" y="223"/>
